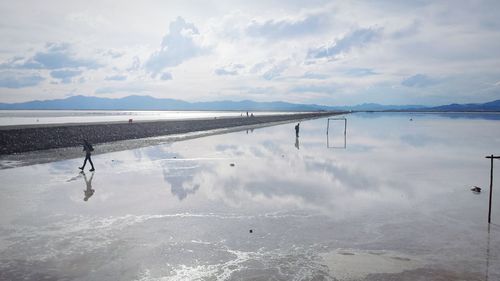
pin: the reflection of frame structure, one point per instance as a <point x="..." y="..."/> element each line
<point x="328" y="129"/>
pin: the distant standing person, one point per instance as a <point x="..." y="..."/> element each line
<point x="297" y="128"/>
<point x="87" y="147"/>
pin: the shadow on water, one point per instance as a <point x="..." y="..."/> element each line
<point x="89" y="191"/>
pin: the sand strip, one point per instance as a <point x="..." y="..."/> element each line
<point x="17" y="139"/>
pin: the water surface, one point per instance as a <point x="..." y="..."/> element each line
<point x="32" y="117"/>
<point x="390" y="201"/>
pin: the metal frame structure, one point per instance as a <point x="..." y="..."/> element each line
<point x="345" y="133"/>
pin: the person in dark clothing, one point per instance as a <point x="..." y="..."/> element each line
<point x="297" y="128"/>
<point x="87" y="147"/>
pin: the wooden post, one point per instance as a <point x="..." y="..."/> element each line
<point x="491" y="184"/>
<point x="491" y="189"/>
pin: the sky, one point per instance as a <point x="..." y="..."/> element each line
<point x="312" y="51"/>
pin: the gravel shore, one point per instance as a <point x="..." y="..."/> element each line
<point x="18" y="139"/>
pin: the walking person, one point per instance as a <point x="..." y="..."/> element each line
<point x="297" y="128"/>
<point x="87" y="147"/>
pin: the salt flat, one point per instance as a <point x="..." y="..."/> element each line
<point x="390" y="201"/>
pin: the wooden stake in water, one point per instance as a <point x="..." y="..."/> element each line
<point x="491" y="184"/>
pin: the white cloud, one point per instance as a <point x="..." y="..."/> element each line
<point x="232" y="69"/>
<point x="117" y="77"/>
<point x="419" y="81"/>
<point x="180" y="44"/>
<point x="65" y="76"/>
<point x="14" y="80"/>
<point x="166" y="76"/>
<point x="286" y="28"/>
<point x="53" y="56"/>
<point x="357" y="38"/>
<point x="325" y="51"/>
<point x="123" y="89"/>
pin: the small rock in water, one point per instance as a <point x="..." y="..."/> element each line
<point x="232" y="164"/>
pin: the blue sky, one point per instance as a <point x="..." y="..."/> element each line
<point x="326" y="52"/>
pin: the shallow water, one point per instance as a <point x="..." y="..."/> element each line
<point x="38" y="117"/>
<point x="390" y="201"/>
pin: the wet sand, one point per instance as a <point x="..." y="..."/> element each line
<point x="19" y="139"/>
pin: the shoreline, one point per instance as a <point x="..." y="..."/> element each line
<point x="18" y="139"/>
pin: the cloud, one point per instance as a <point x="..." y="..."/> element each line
<point x="275" y="71"/>
<point x="111" y="90"/>
<point x="166" y="76"/>
<point x="221" y="71"/>
<point x="12" y="63"/>
<point x="116" y="78"/>
<point x="15" y="80"/>
<point x="114" y="54"/>
<point x="418" y="81"/>
<point x="57" y="56"/>
<point x="232" y="69"/>
<point x="360" y="72"/>
<point x="312" y="75"/>
<point x="275" y="29"/>
<point x="357" y="38"/>
<point x="271" y="70"/>
<point x="258" y="90"/>
<point x="407" y="31"/>
<point x="180" y="44"/>
<point x="65" y="75"/>
<point x="258" y="67"/>
<point x="136" y="64"/>
<point x="54" y="56"/>
<point x="323" y="88"/>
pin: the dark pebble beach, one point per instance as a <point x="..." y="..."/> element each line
<point x="18" y="139"/>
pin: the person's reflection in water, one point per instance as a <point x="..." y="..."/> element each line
<point x="89" y="191"/>
<point x="297" y="142"/>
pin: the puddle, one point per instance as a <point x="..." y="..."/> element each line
<point x="350" y="264"/>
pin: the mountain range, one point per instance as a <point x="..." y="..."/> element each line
<point x="150" y="103"/>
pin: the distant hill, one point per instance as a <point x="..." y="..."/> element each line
<point x="489" y="106"/>
<point x="151" y="103"/>
<point x="380" y="107"/>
